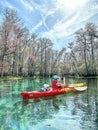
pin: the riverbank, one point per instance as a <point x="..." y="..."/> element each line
<point x="4" y="78"/>
<point x="10" y="78"/>
<point x="22" y="77"/>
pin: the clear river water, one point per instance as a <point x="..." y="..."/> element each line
<point x="73" y="111"/>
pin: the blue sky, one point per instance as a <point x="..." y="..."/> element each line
<point x="57" y="20"/>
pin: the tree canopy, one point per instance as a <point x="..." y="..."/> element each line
<point x="23" y="53"/>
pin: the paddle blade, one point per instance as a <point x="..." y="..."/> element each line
<point x="80" y="88"/>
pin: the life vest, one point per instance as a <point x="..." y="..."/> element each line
<point x="54" y="84"/>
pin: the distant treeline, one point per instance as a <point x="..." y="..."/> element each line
<point x="23" y="53"/>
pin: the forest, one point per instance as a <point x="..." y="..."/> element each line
<point x="25" y="54"/>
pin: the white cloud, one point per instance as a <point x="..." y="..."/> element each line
<point x="42" y="20"/>
<point x="27" y="5"/>
<point x="67" y="26"/>
<point x="7" y="4"/>
<point x="37" y="26"/>
<point x="70" y="5"/>
<point x="60" y="29"/>
<point x="40" y="8"/>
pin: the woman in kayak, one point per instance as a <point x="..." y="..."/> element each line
<point x="56" y="82"/>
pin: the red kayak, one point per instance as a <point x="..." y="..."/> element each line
<point x="48" y="93"/>
<point x="53" y="92"/>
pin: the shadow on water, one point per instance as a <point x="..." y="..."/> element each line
<point x="55" y="101"/>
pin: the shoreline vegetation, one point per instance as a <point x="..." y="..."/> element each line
<point x="35" y="77"/>
<point x="26" y="54"/>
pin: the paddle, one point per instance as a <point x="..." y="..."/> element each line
<point x="64" y="80"/>
<point x="80" y="88"/>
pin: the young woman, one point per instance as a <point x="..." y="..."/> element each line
<point x="56" y="82"/>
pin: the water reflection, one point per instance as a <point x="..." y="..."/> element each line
<point x="55" y="102"/>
